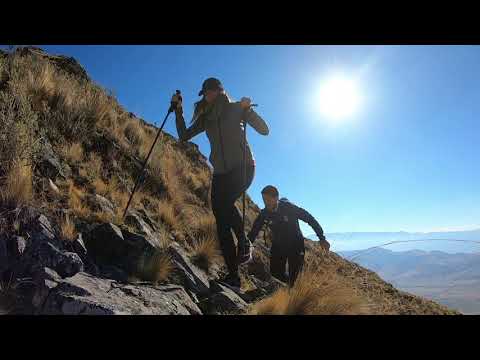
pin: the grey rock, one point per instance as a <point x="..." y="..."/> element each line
<point x="114" y="273"/>
<point x="18" y="247"/>
<point x="63" y="262"/>
<point x="104" y="204"/>
<point x="50" y="167"/>
<point x="139" y="224"/>
<point x="88" y="295"/>
<point x="225" y="301"/>
<point x="45" y="280"/>
<point x="190" y="276"/>
<point x="78" y="246"/>
<point x="107" y="244"/>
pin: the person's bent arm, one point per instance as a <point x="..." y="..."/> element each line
<point x="184" y="133"/>
<point x="257" y="225"/>
<point x="305" y="216"/>
<point x="255" y="121"/>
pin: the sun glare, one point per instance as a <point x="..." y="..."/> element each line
<point x="338" y="98"/>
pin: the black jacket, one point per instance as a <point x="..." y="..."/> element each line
<point x="287" y="235"/>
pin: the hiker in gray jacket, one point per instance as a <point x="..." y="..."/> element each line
<point x="222" y="119"/>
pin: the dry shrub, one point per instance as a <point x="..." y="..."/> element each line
<point x="17" y="189"/>
<point x="67" y="229"/>
<point x="205" y="252"/>
<point x="18" y="124"/>
<point x="166" y="213"/>
<point x="204" y="225"/>
<point x="156" y="268"/>
<point x="74" y="152"/>
<point x="102" y="217"/>
<point x="95" y="166"/>
<point x="75" y="201"/>
<point x="134" y="133"/>
<point x="67" y="106"/>
<point x="312" y="294"/>
<point x="100" y="186"/>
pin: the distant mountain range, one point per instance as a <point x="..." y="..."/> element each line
<point x="450" y="279"/>
<point x="413" y="240"/>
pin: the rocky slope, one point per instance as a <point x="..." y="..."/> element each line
<point x="70" y="156"/>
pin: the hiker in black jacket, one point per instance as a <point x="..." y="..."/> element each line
<point x="287" y="243"/>
<point x="222" y="119"/>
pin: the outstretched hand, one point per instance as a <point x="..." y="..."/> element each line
<point x="176" y="102"/>
<point x="245" y="103"/>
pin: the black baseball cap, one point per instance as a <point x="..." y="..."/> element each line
<point x="270" y="190"/>
<point x="210" y="84"/>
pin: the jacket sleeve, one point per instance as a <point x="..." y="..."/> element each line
<point x="185" y="133"/>
<point x="257" y="225"/>
<point x="305" y="216"/>
<point x="255" y="121"/>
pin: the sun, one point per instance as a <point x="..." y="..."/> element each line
<point x="338" y="98"/>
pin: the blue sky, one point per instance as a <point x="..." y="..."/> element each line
<point x="406" y="160"/>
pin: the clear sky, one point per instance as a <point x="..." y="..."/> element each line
<point x="406" y="159"/>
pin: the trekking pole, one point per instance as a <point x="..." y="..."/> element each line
<point x="170" y="110"/>
<point x="245" y="173"/>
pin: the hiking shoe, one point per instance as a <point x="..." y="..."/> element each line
<point x="245" y="253"/>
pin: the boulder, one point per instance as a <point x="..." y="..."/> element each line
<point x="104" y="204"/>
<point x="107" y="244"/>
<point x="134" y="220"/>
<point x="224" y="301"/>
<point x="48" y="255"/>
<point x="84" y="294"/>
<point x="49" y="165"/>
<point x="189" y="275"/>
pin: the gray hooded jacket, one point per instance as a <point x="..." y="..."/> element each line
<point x="224" y="129"/>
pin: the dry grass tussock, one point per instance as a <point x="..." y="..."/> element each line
<point x="17" y="187"/>
<point x="166" y="213"/>
<point x="67" y="229"/>
<point x="73" y="152"/>
<point x="312" y="294"/>
<point x="206" y="252"/>
<point x="75" y="201"/>
<point x="156" y="268"/>
<point x="67" y="106"/>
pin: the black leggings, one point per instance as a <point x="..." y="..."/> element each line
<point x="226" y="189"/>
<point x="278" y="262"/>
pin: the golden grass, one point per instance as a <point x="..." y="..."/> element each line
<point x="204" y="225"/>
<point x="134" y="133"/>
<point x="17" y="189"/>
<point x="100" y="187"/>
<point x="103" y="217"/>
<point x="74" y="106"/>
<point x="312" y="294"/>
<point x="205" y="252"/>
<point x="73" y="152"/>
<point x="67" y="229"/>
<point x="156" y="268"/>
<point x="95" y="166"/>
<point x="75" y="201"/>
<point x="166" y="213"/>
